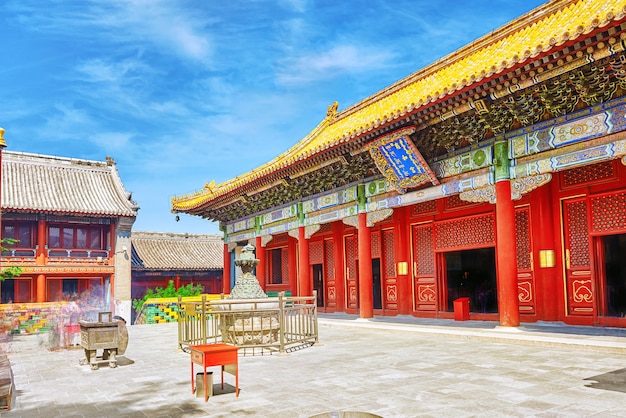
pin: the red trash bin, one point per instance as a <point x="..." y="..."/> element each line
<point x="461" y="309"/>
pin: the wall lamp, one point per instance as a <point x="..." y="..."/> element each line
<point x="124" y="249"/>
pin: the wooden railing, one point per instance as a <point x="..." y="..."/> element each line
<point x="256" y="326"/>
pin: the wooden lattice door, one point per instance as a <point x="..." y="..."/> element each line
<point x="424" y="281"/>
<point x="525" y="274"/>
<point x="580" y="287"/>
<point x="352" y="277"/>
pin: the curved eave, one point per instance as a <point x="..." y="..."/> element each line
<point x="187" y="269"/>
<point x="102" y="214"/>
<point x="537" y="33"/>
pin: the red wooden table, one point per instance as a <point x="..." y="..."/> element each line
<point x="208" y="355"/>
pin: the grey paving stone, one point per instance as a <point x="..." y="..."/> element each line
<point x="403" y="369"/>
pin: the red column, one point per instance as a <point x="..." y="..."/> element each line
<point x="508" y="299"/>
<point x="176" y="282"/>
<point x="41" y="288"/>
<point x="340" y="280"/>
<point x="366" y="306"/>
<point x="41" y="253"/>
<point x="41" y="258"/>
<point x="226" y="273"/>
<point x="304" y="268"/>
<point x="402" y="253"/>
<point x="260" y="268"/>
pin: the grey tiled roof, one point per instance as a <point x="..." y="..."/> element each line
<point x="41" y="183"/>
<point x="170" y="251"/>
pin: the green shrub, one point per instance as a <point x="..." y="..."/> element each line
<point x="8" y="272"/>
<point x="169" y="292"/>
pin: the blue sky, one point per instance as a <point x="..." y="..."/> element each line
<point x="180" y="93"/>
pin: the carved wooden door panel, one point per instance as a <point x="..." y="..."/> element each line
<point x="424" y="278"/>
<point x="390" y="280"/>
<point x="580" y="289"/>
<point x="352" y="278"/>
<point x="329" y="272"/>
<point x="525" y="275"/>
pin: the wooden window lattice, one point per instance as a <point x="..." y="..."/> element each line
<point x="324" y="228"/>
<point x="424" y="208"/>
<point x="423" y="244"/>
<point x="284" y="258"/>
<point x="455" y="201"/>
<point x="522" y="239"/>
<point x="466" y="232"/>
<point x="375" y="244"/>
<point x="390" y="257"/>
<point x="351" y="257"/>
<point x="578" y="234"/>
<point x="609" y="212"/>
<point x="588" y="174"/>
<point x="279" y="239"/>
<point x="329" y="252"/>
<point x="316" y="253"/>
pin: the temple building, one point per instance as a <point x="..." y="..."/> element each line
<point x="494" y="178"/>
<point x="159" y="257"/>
<point x="72" y="220"/>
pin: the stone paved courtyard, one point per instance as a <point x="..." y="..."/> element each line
<point x="386" y="371"/>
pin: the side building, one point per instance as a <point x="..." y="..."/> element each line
<point x="159" y="257"/>
<point x="72" y="220"/>
<point x="493" y="179"/>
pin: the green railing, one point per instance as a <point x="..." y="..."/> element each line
<point x="256" y="326"/>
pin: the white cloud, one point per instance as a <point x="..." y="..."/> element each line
<point x="334" y="62"/>
<point x="111" y="141"/>
<point x="165" y="27"/>
<point x="115" y="72"/>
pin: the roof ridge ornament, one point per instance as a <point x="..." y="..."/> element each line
<point x="4" y="144"/>
<point x="331" y="113"/>
<point x="209" y="186"/>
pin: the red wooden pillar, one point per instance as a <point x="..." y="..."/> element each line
<point x="402" y="253"/>
<point x="304" y="268"/>
<point x="340" y="280"/>
<point x="176" y="282"/>
<point x="41" y="288"/>
<point x="506" y="260"/>
<point x="226" y="273"/>
<point x="41" y="253"/>
<point x="260" y="268"/>
<point x="366" y="308"/>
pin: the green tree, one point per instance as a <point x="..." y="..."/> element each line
<point x="168" y="292"/>
<point x="8" y="272"/>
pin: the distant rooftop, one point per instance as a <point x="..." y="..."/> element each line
<point x="175" y="251"/>
<point x="42" y="183"/>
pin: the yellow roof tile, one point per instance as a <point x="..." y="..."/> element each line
<point x="539" y="30"/>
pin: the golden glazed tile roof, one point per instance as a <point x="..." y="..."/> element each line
<point x="539" y="31"/>
<point x="41" y="183"/>
<point x="170" y="251"/>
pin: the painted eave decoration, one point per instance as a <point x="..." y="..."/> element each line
<point x="538" y="32"/>
<point x="400" y="162"/>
